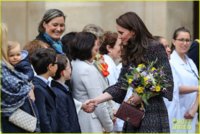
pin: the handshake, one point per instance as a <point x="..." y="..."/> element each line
<point x="89" y="105"/>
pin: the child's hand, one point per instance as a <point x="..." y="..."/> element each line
<point x="31" y="95"/>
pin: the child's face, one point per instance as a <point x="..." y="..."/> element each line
<point x="14" y="55"/>
<point x="67" y="72"/>
<point x="53" y="68"/>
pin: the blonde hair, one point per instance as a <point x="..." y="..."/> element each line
<point x="12" y="45"/>
<point x="4" y="45"/>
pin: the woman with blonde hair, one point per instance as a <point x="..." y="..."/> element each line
<point x="16" y="91"/>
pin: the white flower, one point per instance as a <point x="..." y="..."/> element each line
<point x="144" y="73"/>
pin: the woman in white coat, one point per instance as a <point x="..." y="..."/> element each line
<point x="183" y="109"/>
<point x="111" y="51"/>
<point x="88" y="83"/>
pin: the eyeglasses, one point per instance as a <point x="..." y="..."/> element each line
<point x="184" y="40"/>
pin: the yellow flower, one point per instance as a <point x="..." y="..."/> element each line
<point x="139" y="90"/>
<point x="158" y="88"/>
<point x="141" y="66"/>
<point x="130" y="80"/>
<point x="145" y="80"/>
<point x="153" y="68"/>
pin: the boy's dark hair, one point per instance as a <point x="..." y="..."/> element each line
<point x="82" y="45"/>
<point x="62" y="64"/>
<point x="42" y="58"/>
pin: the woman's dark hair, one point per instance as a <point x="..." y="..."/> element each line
<point x="67" y="41"/>
<point x="133" y="52"/>
<point x="110" y="39"/>
<point x="48" y="16"/>
<point x="82" y="45"/>
<point x="62" y="64"/>
<point x="176" y="33"/>
<point x="42" y="58"/>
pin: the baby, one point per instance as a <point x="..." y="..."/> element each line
<point x="19" y="59"/>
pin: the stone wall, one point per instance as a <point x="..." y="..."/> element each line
<point x="161" y="18"/>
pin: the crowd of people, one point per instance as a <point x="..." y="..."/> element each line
<point x="76" y="82"/>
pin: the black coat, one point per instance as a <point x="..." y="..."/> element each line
<point x="45" y="102"/>
<point x="67" y="118"/>
<point x="156" y="116"/>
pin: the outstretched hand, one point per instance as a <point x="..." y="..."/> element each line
<point x="89" y="106"/>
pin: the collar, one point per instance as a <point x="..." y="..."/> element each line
<point x="109" y="60"/>
<point x="43" y="79"/>
<point x="65" y="86"/>
<point x="60" y="86"/>
<point x="177" y="59"/>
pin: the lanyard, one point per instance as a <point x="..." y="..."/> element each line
<point x="193" y="70"/>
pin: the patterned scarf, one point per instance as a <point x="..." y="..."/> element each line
<point x="14" y="90"/>
<point x="57" y="45"/>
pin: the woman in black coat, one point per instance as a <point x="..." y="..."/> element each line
<point x="140" y="47"/>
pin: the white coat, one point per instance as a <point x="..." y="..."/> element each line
<point x="181" y="103"/>
<point x="88" y="83"/>
<point x="112" y="69"/>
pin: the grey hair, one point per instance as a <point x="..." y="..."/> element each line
<point x="96" y="30"/>
<point x="48" y="16"/>
<point x="92" y="28"/>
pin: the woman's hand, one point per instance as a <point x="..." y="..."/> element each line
<point x="135" y="99"/>
<point x="193" y="110"/>
<point x="88" y="107"/>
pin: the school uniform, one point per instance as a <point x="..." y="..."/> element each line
<point x="67" y="119"/>
<point x="45" y="103"/>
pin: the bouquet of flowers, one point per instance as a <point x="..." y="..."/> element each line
<point x="147" y="81"/>
<point x="101" y="65"/>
